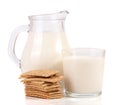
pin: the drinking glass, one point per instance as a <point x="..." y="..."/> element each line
<point x="83" y="71"/>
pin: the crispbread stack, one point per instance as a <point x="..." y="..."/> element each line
<point x="43" y="84"/>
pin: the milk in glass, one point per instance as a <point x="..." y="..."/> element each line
<point x="83" y="74"/>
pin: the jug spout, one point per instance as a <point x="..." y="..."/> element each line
<point x="63" y="14"/>
<point x="50" y="22"/>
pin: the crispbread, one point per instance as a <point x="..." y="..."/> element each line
<point x="39" y="83"/>
<point x="39" y="73"/>
<point x="52" y="79"/>
<point x="36" y="83"/>
<point x="44" y="96"/>
<point x="46" y="93"/>
<point x="43" y="87"/>
<point x="43" y="84"/>
<point x="28" y="87"/>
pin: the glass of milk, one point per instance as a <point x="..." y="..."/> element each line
<point x="83" y="71"/>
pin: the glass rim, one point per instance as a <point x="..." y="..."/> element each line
<point x="84" y="51"/>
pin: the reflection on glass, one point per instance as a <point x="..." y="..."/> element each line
<point x="64" y="101"/>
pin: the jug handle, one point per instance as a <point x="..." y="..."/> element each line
<point x="12" y="42"/>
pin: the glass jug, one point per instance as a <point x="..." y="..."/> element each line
<point x="45" y="41"/>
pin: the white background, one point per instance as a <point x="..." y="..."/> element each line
<point x="91" y="23"/>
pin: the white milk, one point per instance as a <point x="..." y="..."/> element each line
<point x="83" y="74"/>
<point x="43" y="51"/>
